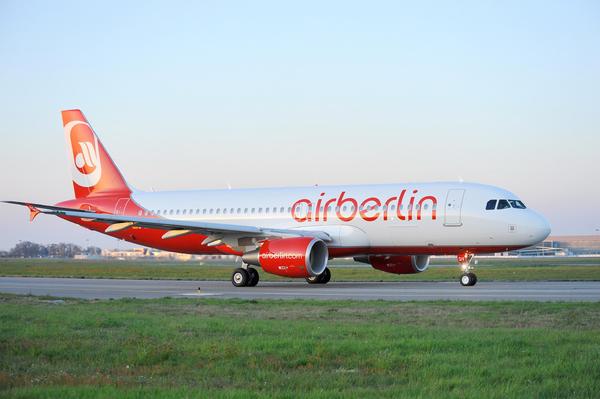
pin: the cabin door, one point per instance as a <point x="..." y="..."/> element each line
<point x="453" y="207"/>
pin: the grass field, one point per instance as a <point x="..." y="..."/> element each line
<point x="556" y="269"/>
<point x="232" y="348"/>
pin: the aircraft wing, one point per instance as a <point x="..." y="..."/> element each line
<point x="174" y="227"/>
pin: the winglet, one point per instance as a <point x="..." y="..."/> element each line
<point x="33" y="212"/>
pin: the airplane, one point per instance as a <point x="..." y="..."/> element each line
<point x="295" y="231"/>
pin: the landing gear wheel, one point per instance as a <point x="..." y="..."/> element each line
<point x="325" y="276"/>
<point x="468" y="279"/>
<point x="473" y="279"/>
<point x="240" y="277"/>
<point x="313" y="279"/>
<point x="253" y="277"/>
<point x="322" y="278"/>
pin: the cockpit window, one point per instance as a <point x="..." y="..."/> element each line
<point x="491" y="204"/>
<point x="517" y="204"/>
<point x="503" y="204"/>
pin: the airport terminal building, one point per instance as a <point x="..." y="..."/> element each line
<point x="585" y="245"/>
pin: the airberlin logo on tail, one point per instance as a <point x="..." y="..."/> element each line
<point x="85" y="162"/>
<point x="370" y="209"/>
<point x="87" y="156"/>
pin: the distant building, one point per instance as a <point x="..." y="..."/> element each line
<point x="147" y="253"/>
<point x="588" y="245"/>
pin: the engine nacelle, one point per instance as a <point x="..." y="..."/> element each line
<point x="290" y="257"/>
<point x="397" y="264"/>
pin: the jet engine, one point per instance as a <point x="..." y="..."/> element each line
<point x="396" y="264"/>
<point x="290" y="257"/>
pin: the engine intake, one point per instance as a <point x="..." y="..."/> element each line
<point x="395" y="264"/>
<point x="290" y="257"/>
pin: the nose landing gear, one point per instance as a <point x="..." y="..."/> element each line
<point x="468" y="278"/>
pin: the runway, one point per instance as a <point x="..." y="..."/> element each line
<point x="397" y="291"/>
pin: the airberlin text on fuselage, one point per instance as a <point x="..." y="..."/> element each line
<point x="346" y="208"/>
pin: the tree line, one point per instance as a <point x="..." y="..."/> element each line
<point x="28" y="249"/>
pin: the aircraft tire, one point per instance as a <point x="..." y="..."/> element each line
<point x="313" y="279"/>
<point x="473" y="279"/>
<point x="253" y="277"/>
<point x="325" y="276"/>
<point x="322" y="278"/>
<point x="240" y="277"/>
<point x="468" y="279"/>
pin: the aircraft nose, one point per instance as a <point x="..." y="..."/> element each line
<point x="540" y="228"/>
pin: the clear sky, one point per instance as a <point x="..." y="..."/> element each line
<point x="204" y="94"/>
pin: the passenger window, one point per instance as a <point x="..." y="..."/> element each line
<point x="218" y="211"/>
<point x="224" y="210"/>
<point x="393" y="207"/>
<point x="503" y="204"/>
<point x="281" y="210"/>
<point x="204" y="211"/>
<point x="425" y="206"/>
<point x="253" y="209"/>
<point x="259" y="210"/>
<point x="231" y="210"/>
<point x="491" y="204"/>
<point x="245" y="210"/>
<point x="171" y="212"/>
<point x="290" y="209"/>
<point x="211" y="211"/>
<point x="239" y="210"/>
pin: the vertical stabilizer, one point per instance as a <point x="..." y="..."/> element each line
<point x="93" y="171"/>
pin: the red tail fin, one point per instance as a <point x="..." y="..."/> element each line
<point x="94" y="172"/>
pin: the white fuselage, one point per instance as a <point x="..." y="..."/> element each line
<point x="440" y="215"/>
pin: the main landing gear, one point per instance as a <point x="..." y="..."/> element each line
<point x="245" y="277"/>
<point x="322" y="278"/>
<point x="468" y="278"/>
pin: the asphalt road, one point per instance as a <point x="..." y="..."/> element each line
<point x="400" y="291"/>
